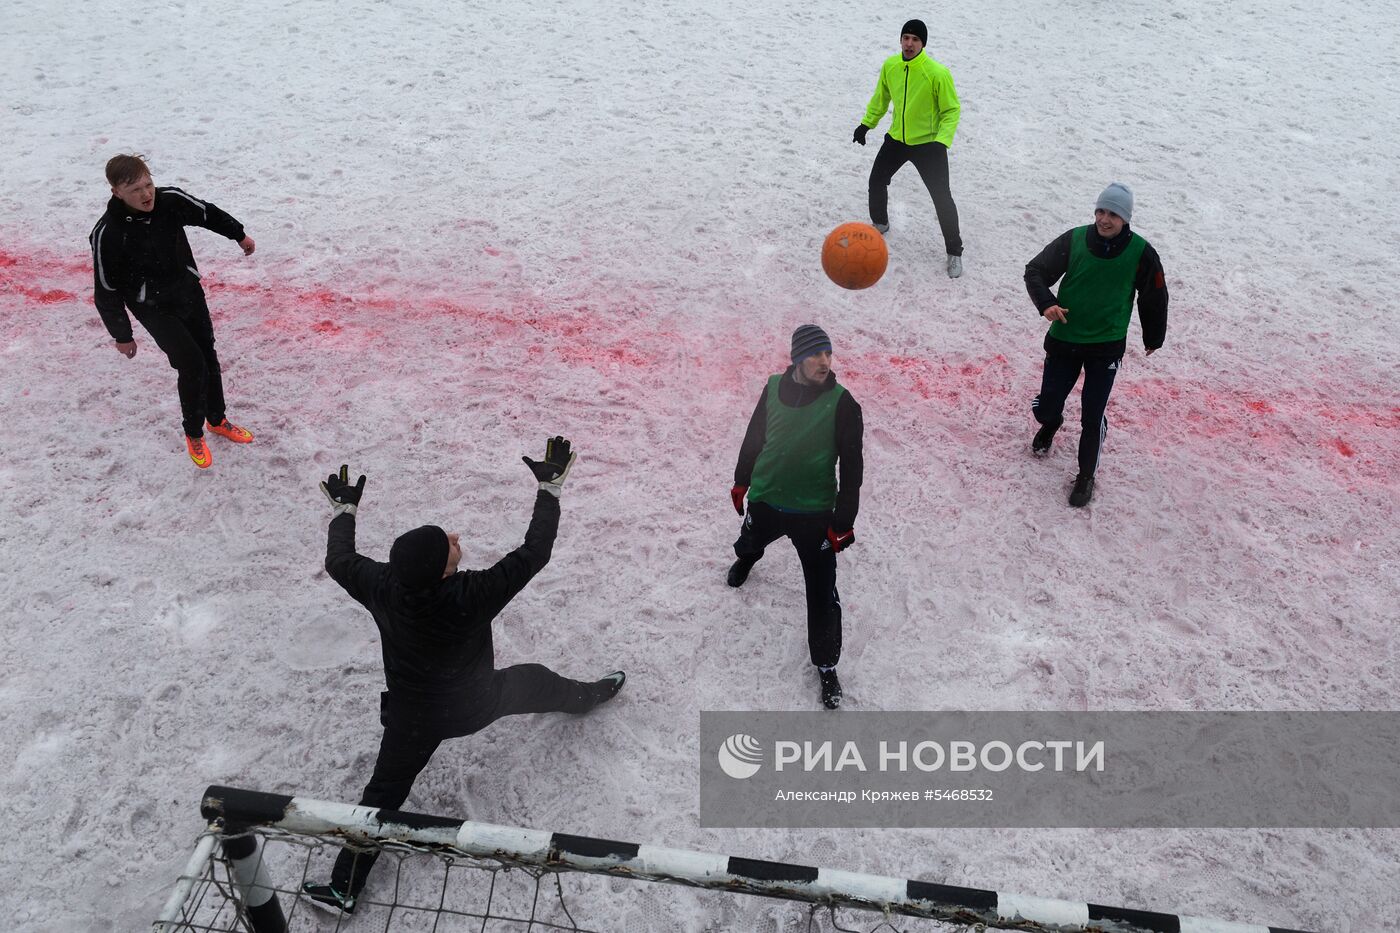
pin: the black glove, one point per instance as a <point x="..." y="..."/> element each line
<point x="554" y="468"/>
<point x="859" y="137"/>
<point x="343" y="496"/>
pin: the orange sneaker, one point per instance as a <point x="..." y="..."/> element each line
<point x="231" y="431"/>
<point x="199" y="452"/>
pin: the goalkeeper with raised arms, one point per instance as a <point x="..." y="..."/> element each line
<point x="439" y="664"/>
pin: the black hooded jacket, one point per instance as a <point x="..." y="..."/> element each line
<point x="438" y="654"/>
<point x="142" y="261"/>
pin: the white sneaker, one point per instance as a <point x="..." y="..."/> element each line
<point x="883" y="228"/>
<point x="954" y="266"/>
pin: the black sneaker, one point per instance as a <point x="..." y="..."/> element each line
<point x="329" y="899"/>
<point x="607" y="687"/>
<point x="1083" y="490"/>
<point x="740" y="572"/>
<point x="1040" y="444"/>
<point x="831" y="688"/>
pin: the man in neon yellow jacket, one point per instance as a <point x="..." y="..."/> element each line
<point x="926" y="115"/>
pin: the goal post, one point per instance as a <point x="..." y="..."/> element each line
<point x="237" y="816"/>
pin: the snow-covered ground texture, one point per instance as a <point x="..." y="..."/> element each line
<point x="482" y="224"/>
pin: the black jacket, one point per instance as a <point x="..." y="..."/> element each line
<point x="141" y="260"/>
<point x="1053" y="262"/>
<point x="438" y="654"/>
<point x="850" y="430"/>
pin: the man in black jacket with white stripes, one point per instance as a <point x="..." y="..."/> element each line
<point x="141" y="260"/>
<point x="439" y="662"/>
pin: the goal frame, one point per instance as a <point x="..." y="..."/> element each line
<point x="234" y="815"/>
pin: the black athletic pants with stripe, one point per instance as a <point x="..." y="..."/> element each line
<point x="807" y="531"/>
<point x="1061" y="373"/>
<point x="403" y="754"/>
<point x="931" y="159"/>
<point x="182" y="329"/>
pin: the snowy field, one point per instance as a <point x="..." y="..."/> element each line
<point x="480" y="224"/>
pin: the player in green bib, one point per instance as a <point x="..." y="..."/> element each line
<point x="804" y="426"/>
<point x="1103" y="266"/>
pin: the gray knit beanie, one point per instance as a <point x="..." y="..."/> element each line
<point x="1117" y="197"/>
<point x="809" y="340"/>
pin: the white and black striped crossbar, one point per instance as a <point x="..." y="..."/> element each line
<point x="244" y="809"/>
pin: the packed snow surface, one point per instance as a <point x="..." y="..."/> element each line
<point x="482" y="224"/>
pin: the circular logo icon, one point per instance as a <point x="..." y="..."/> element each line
<point x="740" y="756"/>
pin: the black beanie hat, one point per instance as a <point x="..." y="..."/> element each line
<point x="419" y="557"/>
<point x="807" y="340"/>
<point x="916" y="27"/>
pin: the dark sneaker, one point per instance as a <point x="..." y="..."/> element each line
<point x="831" y="689"/>
<point x="1083" y="490"/>
<point x="329" y="899"/>
<point x="740" y="572"/>
<point x="1040" y="444"/>
<point x="607" y="687"/>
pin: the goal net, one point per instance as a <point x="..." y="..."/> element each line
<point x="440" y="874"/>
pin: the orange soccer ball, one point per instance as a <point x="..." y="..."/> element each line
<point x="854" y="255"/>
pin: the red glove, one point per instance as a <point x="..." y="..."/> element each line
<point x="737" y="495"/>
<point x="840" y="540"/>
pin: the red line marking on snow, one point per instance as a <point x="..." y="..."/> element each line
<point x="929" y="379"/>
<point x="45" y="296"/>
<point x="15" y="277"/>
<point x="49" y="266"/>
<point x="615" y="334"/>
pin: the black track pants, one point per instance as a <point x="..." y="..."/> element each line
<point x="186" y="336"/>
<point x="1059" y="378"/>
<point x="931" y="159"/>
<point x="762" y="526"/>
<point x="403" y="754"/>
